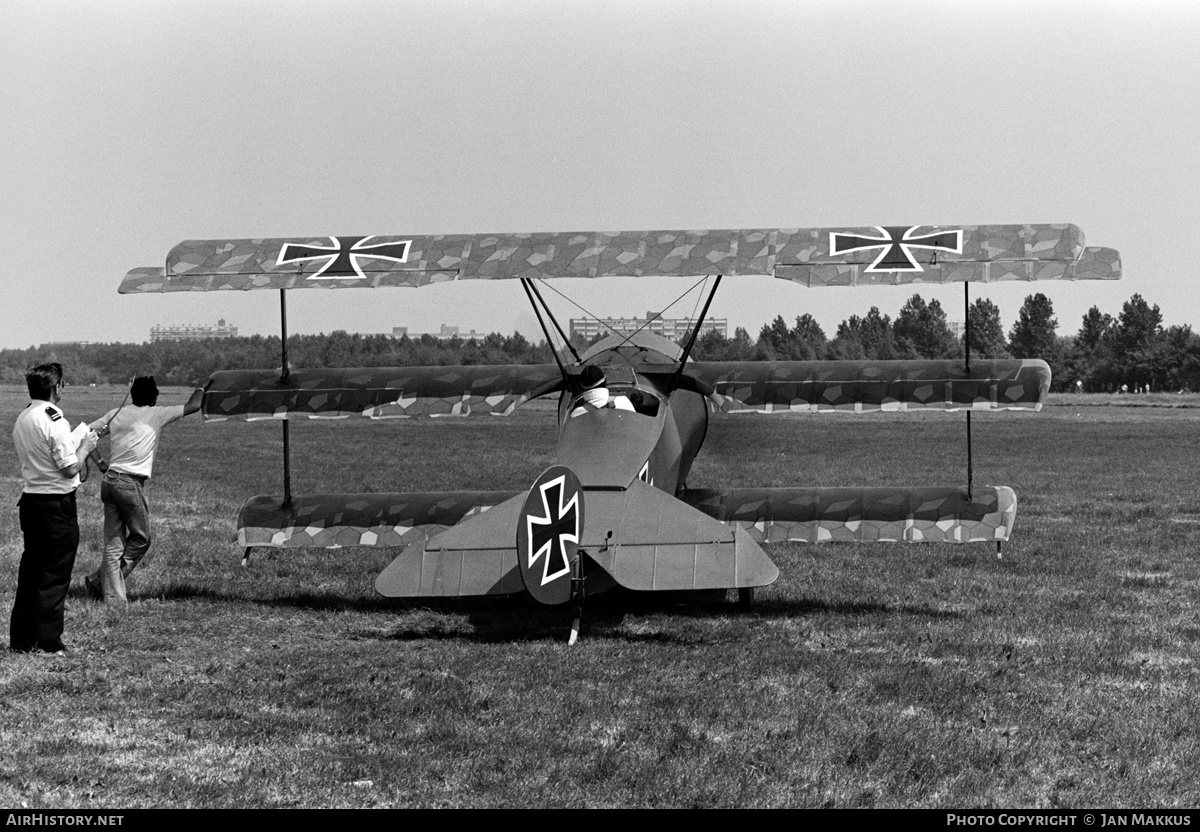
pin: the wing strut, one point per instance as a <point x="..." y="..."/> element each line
<point x="553" y="320"/>
<point x="695" y="334"/>
<point x="284" y="373"/>
<point x="525" y="284"/>
<point x="967" y="353"/>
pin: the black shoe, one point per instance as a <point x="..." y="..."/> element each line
<point x="93" y="591"/>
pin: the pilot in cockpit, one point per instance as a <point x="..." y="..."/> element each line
<point x="595" y="393"/>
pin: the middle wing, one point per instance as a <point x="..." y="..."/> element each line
<point x="377" y="392"/>
<point x="778" y="386"/>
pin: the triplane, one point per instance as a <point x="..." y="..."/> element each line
<point x="633" y="409"/>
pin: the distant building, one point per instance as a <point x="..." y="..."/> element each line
<point x="957" y="328"/>
<point x="192" y="333"/>
<point x="674" y="328"/>
<point x="446" y="333"/>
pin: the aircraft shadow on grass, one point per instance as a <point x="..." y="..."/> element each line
<point x="615" y="510"/>
<point x="672" y="623"/>
<point x="503" y="620"/>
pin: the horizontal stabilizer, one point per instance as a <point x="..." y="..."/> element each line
<point x="376" y="392"/>
<point x="641" y="537"/>
<point x="648" y="540"/>
<point x="476" y="557"/>
<point x="782" y="386"/>
<point x="862" y="515"/>
<point x="330" y="521"/>
<point x="811" y="256"/>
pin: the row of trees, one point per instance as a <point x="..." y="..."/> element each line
<point x="1131" y="349"/>
<point x="191" y="362"/>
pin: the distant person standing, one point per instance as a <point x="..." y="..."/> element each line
<point x="51" y="457"/>
<point x="134" y="431"/>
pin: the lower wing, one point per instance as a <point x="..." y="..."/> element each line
<point x="330" y="521"/>
<point x="861" y="515"/>
<point x="464" y="543"/>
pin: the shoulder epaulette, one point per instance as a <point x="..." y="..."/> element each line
<point x="53" y="414"/>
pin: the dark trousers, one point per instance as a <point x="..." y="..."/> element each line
<point x="51" y="529"/>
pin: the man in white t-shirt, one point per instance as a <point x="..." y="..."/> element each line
<point x="134" y="431"/>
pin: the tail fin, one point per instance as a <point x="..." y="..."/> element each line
<point x="548" y="534"/>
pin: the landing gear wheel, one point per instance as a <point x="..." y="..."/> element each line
<point x="746" y="597"/>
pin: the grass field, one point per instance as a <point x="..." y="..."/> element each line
<point x="887" y="675"/>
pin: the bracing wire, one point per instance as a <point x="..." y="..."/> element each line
<point x="626" y="337"/>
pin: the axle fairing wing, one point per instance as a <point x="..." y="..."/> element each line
<point x="861" y="386"/>
<point x="809" y="256"/>
<point x="377" y="392"/>
<point x="861" y="515"/>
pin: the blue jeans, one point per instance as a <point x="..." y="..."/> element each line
<point x="126" y="532"/>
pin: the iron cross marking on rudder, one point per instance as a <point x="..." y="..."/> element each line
<point x="343" y="256"/>
<point x="644" y="474"/>
<point x="548" y="535"/>
<point x="896" y="246"/>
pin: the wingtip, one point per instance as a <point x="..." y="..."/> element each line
<point x="142" y="279"/>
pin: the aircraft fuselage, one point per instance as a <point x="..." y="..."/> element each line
<point x="655" y="441"/>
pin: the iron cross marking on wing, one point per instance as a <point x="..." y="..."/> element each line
<point x="549" y="534"/>
<point x="343" y="257"/>
<point x="896" y="246"/>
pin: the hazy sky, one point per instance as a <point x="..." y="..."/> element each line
<point x="130" y="126"/>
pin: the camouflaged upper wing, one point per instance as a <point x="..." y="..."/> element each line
<point x="861" y="386"/>
<point x="810" y="256"/>
<point x="376" y="392"/>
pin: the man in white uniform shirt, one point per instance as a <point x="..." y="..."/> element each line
<point x="51" y="457"/>
<point x="134" y="431"/>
